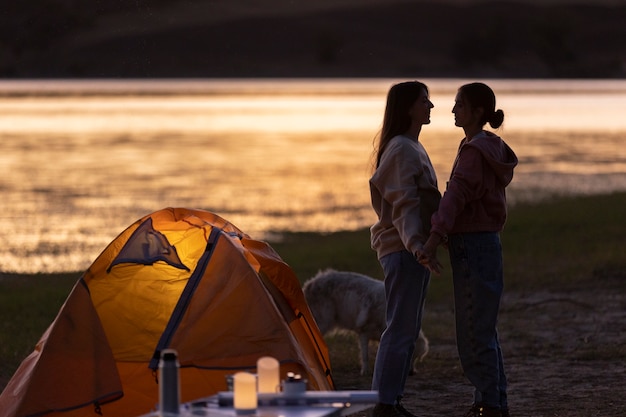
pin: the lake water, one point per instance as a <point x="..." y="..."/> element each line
<point x="82" y="160"/>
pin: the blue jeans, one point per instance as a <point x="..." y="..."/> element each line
<point x="406" y="284"/>
<point x="476" y="260"/>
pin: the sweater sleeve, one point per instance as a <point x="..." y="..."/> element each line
<point x="465" y="185"/>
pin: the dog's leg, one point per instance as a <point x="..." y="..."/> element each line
<point x="364" y="348"/>
<point x="421" y="346"/>
<point x="420" y="352"/>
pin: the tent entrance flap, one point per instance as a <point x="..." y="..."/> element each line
<point x="147" y="246"/>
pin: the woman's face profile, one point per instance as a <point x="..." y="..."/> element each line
<point x="420" y="110"/>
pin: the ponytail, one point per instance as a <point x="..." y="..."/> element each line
<point x="496" y="119"/>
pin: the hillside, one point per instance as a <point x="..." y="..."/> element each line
<point x="342" y="38"/>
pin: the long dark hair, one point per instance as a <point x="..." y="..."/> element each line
<point x="397" y="120"/>
<point x="481" y="95"/>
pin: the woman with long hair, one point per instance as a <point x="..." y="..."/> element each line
<point x="404" y="195"/>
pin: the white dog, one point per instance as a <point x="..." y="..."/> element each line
<point x="355" y="302"/>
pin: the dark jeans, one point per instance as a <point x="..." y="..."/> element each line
<point x="476" y="260"/>
<point x="406" y="284"/>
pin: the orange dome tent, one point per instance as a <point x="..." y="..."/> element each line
<point x="180" y="279"/>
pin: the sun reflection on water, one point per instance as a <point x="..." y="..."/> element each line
<point x="78" y="169"/>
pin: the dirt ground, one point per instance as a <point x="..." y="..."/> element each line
<point x="565" y="356"/>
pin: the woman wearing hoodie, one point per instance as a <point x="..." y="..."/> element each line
<point x="470" y="217"/>
<point x="404" y="196"/>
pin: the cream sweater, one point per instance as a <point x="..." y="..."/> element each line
<point x="404" y="195"/>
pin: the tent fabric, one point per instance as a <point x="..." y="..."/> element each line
<point x="181" y="279"/>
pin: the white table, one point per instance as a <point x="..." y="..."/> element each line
<point x="308" y="404"/>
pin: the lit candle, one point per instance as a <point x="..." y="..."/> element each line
<point x="268" y="370"/>
<point x="245" y="396"/>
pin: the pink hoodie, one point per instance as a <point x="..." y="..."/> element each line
<point x="475" y="199"/>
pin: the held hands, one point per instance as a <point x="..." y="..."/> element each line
<point x="427" y="256"/>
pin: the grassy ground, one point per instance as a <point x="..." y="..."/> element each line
<point x="571" y="246"/>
